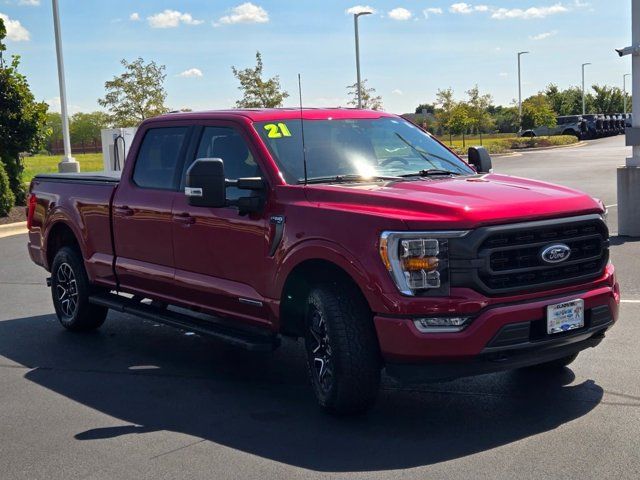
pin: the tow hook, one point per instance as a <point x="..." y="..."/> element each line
<point x="48" y="281"/>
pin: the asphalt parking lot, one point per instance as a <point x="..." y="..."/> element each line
<point x="138" y="400"/>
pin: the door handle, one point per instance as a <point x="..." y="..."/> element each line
<point x="124" y="211"/>
<point x="184" y="218"/>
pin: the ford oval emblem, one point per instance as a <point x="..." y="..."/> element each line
<point x="557" y="253"/>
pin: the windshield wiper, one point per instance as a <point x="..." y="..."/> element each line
<point x="431" y="172"/>
<point x="350" y="178"/>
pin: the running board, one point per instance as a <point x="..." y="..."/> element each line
<point x="254" y="341"/>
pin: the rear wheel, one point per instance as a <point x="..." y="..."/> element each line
<point x="558" y="364"/>
<point x="343" y="357"/>
<point x="70" y="290"/>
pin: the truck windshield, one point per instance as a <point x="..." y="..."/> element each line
<point x="380" y="148"/>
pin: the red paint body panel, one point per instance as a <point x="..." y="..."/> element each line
<point x="218" y="257"/>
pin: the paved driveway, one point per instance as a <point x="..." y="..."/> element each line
<point x="139" y="400"/>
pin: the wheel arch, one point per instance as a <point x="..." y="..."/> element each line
<point x="60" y="234"/>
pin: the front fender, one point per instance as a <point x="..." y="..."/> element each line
<point x="317" y="249"/>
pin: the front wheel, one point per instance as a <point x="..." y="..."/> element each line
<point x="343" y="357"/>
<point x="70" y="291"/>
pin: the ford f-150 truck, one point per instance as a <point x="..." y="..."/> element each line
<point x="354" y="230"/>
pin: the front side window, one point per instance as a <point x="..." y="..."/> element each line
<point x="383" y="147"/>
<point x="228" y="145"/>
<point x="158" y="158"/>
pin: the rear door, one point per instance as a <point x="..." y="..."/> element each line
<point x="220" y="255"/>
<point x="142" y="212"/>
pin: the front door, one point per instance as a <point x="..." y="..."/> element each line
<point x="220" y="255"/>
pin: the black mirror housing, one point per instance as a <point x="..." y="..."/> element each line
<point x="480" y="159"/>
<point x="205" y="183"/>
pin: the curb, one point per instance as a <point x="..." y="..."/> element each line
<point x="554" y="147"/>
<point x="11" y="229"/>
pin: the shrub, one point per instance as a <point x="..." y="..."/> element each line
<point x="7" y="200"/>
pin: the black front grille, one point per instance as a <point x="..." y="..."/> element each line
<point x="507" y="259"/>
<point x="514" y="258"/>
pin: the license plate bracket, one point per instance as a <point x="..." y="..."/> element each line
<point x="565" y="316"/>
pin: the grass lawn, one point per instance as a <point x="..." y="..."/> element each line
<point x="89" y="162"/>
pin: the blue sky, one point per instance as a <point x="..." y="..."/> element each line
<point x="409" y="48"/>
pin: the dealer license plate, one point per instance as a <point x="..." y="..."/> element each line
<point x="566" y="316"/>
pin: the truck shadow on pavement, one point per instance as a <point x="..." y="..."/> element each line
<point x="156" y="378"/>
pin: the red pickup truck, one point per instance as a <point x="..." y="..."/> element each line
<point x="354" y="230"/>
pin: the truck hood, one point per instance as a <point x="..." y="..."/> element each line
<point x="460" y="203"/>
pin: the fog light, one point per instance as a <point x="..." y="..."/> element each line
<point x="441" y="324"/>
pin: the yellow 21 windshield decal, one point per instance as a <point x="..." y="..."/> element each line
<point x="277" y="130"/>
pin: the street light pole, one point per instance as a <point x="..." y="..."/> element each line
<point x="584" y="100"/>
<point x="520" y="91"/>
<point x="68" y="163"/>
<point x="359" y="80"/>
<point x="624" y="90"/>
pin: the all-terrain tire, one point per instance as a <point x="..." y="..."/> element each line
<point x="343" y="354"/>
<point x="70" y="290"/>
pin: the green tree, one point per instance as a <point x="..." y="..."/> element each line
<point x="537" y="112"/>
<point x="136" y="94"/>
<point x="258" y="93"/>
<point x="478" y="106"/>
<point x="370" y="100"/>
<point x="426" y="108"/>
<point x="568" y="101"/>
<point x="21" y="119"/>
<point x="52" y="130"/>
<point x="86" y="127"/>
<point x="460" y="120"/>
<point x="7" y="199"/>
<point x="505" y="118"/>
<point x="445" y="103"/>
<point x="608" y="99"/>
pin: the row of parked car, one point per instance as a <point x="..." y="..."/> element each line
<point x="585" y="126"/>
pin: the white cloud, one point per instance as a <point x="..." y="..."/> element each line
<point x="29" y="3"/>
<point x="359" y="9"/>
<point x="191" y="73"/>
<point x="543" y="36"/>
<point x="134" y="17"/>
<point x="467" y="8"/>
<point x="15" y="30"/>
<point x="245" y="13"/>
<point x="400" y="13"/>
<point x="431" y="11"/>
<point x="503" y="74"/>
<point x="526" y="14"/>
<point x="171" y="19"/>
<point x="397" y="91"/>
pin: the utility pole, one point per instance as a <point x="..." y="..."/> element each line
<point x="68" y="163"/>
<point x="629" y="175"/>
<point x="359" y="80"/>
<point x="584" y="98"/>
<point x="520" y="91"/>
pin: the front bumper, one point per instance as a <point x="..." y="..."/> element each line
<point x="500" y="337"/>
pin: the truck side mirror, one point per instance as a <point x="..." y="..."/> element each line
<point x="480" y="159"/>
<point x="205" y="183"/>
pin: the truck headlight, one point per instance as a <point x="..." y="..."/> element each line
<point x="417" y="261"/>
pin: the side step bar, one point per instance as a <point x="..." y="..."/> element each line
<point x="251" y="340"/>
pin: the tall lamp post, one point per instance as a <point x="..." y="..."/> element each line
<point x="584" y="98"/>
<point x="624" y="90"/>
<point x="359" y="80"/>
<point x="68" y="163"/>
<point x="520" y="90"/>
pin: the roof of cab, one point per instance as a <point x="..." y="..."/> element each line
<point x="274" y="114"/>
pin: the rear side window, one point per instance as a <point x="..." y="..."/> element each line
<point x="158" y="158"/>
